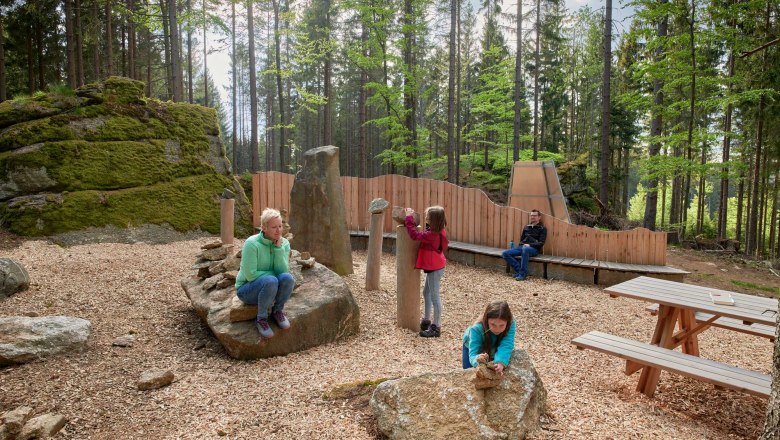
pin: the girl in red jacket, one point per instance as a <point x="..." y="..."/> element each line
<point x="430" y="258"/>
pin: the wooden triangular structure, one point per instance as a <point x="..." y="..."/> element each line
<point x="535" y="185"/>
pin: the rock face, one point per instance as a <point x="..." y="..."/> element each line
<point x="321" y="310"/>
<point x="18" y="424"/>
<point x="317" y="213"/>
<point x="23" y="339"/>
<point x="106" y="156"/>
<point x="13" y="277"/>
<point x="447" y="405"/>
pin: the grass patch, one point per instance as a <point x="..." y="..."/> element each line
<point x="357" y="396"/>
<point x="749" y="285"/>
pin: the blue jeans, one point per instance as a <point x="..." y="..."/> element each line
<point x="432" y="296"/>
<point x="267" y="291"/>
<point x="466" y="361"/>
<point x="526" y="252"/>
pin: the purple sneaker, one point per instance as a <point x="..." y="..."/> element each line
<point x="281" y="320"/>
<point x="264" y="328"/>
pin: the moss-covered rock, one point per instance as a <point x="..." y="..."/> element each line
<point x="105" y="155"/>
<point x="575" y="185"/>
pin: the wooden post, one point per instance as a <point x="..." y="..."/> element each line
<point x="375" y="238"/>
<point x="407" y="280"/>
<point x="227" y="208"/>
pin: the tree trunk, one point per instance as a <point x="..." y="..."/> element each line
<point x="518" y="79"/>
<point x="109" y="41"/>
<point x="234" y="85"/>
<point x="362" y="105"/>
<point x="327" y="129"/>
<point x="772" y="424"/>
<point x="740" y="202"/>
<point x="656" y="128"/>
<point x="536" y="77"/>
<point x="175" y="57"/>
<point x="451" y="148"/>
<point x="692" y="110"/>
<point x="70" y="45"/>
<point x="166" y="48"/>
<point x="3" y="92"/>
<point x="131" y="46"/>
<point x="205" y="60"/>
<point x="39" y="53"/>
<point x="410" y="85"/>
<point x="79" y="45"/>
<point x="189" y="52"/>
<point x="604" y="162"/>
<point x="96" y="46"/>
<point x="250" y="20"/>
<point x="726" y="157"/>
<point x="279" y="89"/>
<point x="458" y="119"/>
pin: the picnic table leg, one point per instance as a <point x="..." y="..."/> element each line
<point x="663" y="336"/>
<point x="691" y="344"/>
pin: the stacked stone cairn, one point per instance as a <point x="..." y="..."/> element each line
<point x="321" y="309"/>
<point x="19" y="424"/>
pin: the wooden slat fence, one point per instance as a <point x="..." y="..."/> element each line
<point x="471" y="216"/>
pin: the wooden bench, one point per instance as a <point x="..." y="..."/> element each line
<point x="716" y="373"/>
<point x="765" y="331"/>
<point x="579" y="270"/>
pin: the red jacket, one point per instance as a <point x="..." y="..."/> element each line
<point x="430" y="255"/>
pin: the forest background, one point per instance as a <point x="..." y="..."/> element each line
<point x="676" y="118"/>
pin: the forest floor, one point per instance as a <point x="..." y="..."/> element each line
<point x="133" y="287"/>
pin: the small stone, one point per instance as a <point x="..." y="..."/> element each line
<point x="13" y="421"/>
<point x="307" y="263"/>
<point x="224" y="282"/>
<point x="232" y="275"/>
<point x="154" y="379"/>
<point x="124" y="341"/>
<point x="221" y="433"/>
<point x="13" y="277"/>
<point x="216" y="267"/>
<point x="304" y="256"/>
<point x="43" y="426"/>
<point x="212" y="245"/>
<point x="30" y="314"/>
<point x="201" y="263"/>
<point x="231" y="263"/>
<point x="378" y="205"/>
<point x="216" y="253"/>
<point x="203" y="272"/>
<point x="228" y="194"/>
<point x="211" y="282"/>
<point x="399" y="215"/>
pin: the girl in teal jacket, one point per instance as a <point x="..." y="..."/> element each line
<point x="490" y="339"/>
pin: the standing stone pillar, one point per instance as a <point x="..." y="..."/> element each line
<point x="407" y="277"/>
<point x="227" y="209"/>
<point x="317" y="213"/>
<point x="375" y="238"/>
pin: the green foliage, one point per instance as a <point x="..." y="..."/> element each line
<point x="750" y="285"/>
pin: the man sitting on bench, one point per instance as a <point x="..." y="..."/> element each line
<point x="530" y="244"/>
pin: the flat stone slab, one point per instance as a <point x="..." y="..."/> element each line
<point x="321" y="310"/>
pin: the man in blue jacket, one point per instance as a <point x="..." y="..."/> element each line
<point x="530" y="245"/>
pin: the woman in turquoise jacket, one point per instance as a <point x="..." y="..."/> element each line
<point x="490" y="339"/>
<point x="264" y="278"/>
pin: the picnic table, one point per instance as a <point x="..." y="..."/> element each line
<point x="679" y="306"/>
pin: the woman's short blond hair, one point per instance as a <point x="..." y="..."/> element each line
<point x="268" y="215"/>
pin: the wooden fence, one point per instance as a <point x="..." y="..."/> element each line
<point x="471" y="217"/>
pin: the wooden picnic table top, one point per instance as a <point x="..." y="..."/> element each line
<point x="748" y="308"/>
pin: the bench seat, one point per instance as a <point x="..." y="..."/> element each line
<point x="765" y="331"/>
<point x="716" y="373"/>
<point x="573" y="269"/>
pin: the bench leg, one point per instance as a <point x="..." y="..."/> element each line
<point x="663" y="336"/>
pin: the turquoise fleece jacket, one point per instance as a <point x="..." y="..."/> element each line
<point x="474" y="336"/>
<point x="260" y="256"/>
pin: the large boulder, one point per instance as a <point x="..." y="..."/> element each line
<point x="447" y="405"/>
<point x="23" y="339"/>
<point x="13" y="277"/>
<point x="321" y="310"/>
<point x="105" y="156"/>
<point x="317" y="212"/>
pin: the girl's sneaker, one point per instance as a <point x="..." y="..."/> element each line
<point x="424" y="324"/>
<point x="433" y="331"/>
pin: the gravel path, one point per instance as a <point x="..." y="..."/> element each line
<point x="134" y="288"/>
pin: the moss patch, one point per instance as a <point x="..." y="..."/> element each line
<point x="186" y="204"/>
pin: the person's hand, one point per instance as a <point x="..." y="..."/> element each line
<point x="278" y="241"/>
<point x="409" y="211"/>
<point x="482" y="357"/>
<point x="498" y="367"/>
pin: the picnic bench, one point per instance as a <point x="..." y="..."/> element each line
<point x="764" y="331"/>
<point x="678" y="304"/>
<point x="579" y="270"/>
<point x="695" y="367"/>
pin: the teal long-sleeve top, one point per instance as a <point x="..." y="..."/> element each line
<point x="474" y="336"/>
<point x="260" y="256"/>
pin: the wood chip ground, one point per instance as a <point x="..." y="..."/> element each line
<point x="134" y="289"/>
